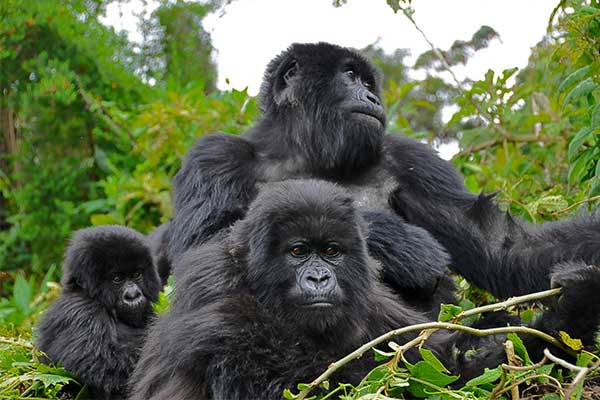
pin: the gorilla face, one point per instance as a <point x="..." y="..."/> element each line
<point x="330" y="99"/>
<point x="308" y="263"/>
<point x="131" y="304"/>
<point x="113" y="266"/>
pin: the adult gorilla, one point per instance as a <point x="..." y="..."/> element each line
<point x="97" y="327"/>
<point x="323" y="118"/>
<point x="293" y="289"/>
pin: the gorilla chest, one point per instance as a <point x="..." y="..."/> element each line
<point x="371" y="190"/>
<point x="372" y="195"/>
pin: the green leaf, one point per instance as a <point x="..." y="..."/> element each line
<point x="584" y="359"/>
<point x="47" y="278"/>
<point x="448" y="312"/>
<point x="581" y="90"/>
<point x="527" y="315"/>
<point x="579" y="138"/>
<point x="22" y="294"/>
<point x="382" y="356"/>
<point x="432" y="360"/>
<point x="49" y="380"/>
<point x="429" y="373"/>
<point x="488" y="376"/>
<point x="579" y="168"/>
<point x="287" y="393"/>
<point x="595" y="120"/>
<point x="520" y="349"/>
<point x="106" y="219"/>
<point x="574" y="77"/>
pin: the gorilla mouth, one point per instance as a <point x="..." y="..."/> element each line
<point x="369" y="115"/>
<point x="318" y="304"/>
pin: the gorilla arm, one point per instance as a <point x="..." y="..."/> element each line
<point x="488" y="247"/>
<point x="212" y="190"/>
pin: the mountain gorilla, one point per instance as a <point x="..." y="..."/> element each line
<point x="97" y="327"/>
<point x="323" y="118"/>
<point x="293" y="289"/>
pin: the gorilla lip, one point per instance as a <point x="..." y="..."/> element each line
<point x="319" y="304"/>
<point x="368" y="115"/>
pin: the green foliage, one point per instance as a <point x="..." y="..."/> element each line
<point x="27" y="300"/>
<point x="23" y="376"/>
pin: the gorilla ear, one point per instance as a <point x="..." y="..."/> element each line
<point x="291" y="72"/>
<point x="283" y="90"/>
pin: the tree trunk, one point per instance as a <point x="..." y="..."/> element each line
<point x="8" y="147"/>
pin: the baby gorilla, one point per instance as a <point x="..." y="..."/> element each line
<point x="291" y="290"/>
<point x="97" y="327"/>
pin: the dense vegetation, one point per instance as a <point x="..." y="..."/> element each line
<point x="93" y="127"/>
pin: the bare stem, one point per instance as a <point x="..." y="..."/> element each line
<point x="503" y="305"/>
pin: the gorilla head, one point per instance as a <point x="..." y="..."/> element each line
<point x="112" y="265"/>
<point x="327" y="99"/>
<point x="307" y="260"/>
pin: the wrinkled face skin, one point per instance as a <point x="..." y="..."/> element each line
<point x="329" y="98"/>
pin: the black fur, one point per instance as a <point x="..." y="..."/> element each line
<point x="97" y="327"/>
<point x="240" y="328"/>
<point x="158" y="240"/>
<point x="310" y="130"/>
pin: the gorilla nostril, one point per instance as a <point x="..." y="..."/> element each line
<point x="373" y="99"/>
<point x="319" y="280"/>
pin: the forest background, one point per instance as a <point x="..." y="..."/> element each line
<point x="93" y="128"/>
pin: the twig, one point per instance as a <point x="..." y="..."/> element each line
<point x="527" y="378"/>
<point x="581" y="371"/>
<point x="498" y="388"/>
<point x="578" y="203"/>
<point x="13" y="342"/>
<point x="494" y="142"/>
<point x="508" y="303"/>
<point x="560" y="5"/>
<point x="525" y="367"/>
<point x="509" y="348"/>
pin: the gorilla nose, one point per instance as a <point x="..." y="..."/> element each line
<point x="319" y="279"/>
<point x="131" y="295"/>
<point x="373" y="99"/>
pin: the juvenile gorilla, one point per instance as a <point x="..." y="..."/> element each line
<point x="97" y="327"/>
<point x="323" y="118"/>
<point x="293" y="289"/>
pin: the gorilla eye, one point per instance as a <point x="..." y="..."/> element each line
<point x="136" y="275"/>
<point x="299" y="250"/>
<point x="331" y="251"/>
<point x="350" y="72"/>
<point x="117" y="279"/>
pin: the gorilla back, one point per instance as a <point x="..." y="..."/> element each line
<point x="97" y="327"/>
<point x="289" y="291"/>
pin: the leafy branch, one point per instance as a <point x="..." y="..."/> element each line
<point x="426" y="329"/>
<point x="487" y="116"/>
